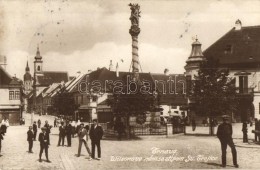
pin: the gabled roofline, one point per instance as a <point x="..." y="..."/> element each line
<point x="218" y="40"/>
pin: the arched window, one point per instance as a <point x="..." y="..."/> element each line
<point x="38" y="68"/>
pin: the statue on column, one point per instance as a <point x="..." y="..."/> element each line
<point x="135" y="14"/>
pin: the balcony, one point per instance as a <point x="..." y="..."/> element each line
<point x="244" y="90"/>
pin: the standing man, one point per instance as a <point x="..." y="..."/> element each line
<point x="44" y="144"/>
<point x="224" y="134"/>
<point x="62" y="134"/>
<point x="68" y="133"/>
<point x="83" y="131"/>
<point x="39" y="123"/>
<point x="48" y="130"/>
<point x="1" y="138"/>
<point x="95" y="134"/>
<point x="30" y="138"/>
<point x="34" y="130"/>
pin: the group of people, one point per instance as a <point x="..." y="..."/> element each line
<point x="95" y="133"/>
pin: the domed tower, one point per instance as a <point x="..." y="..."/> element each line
<point x="195" y="59"/>
<point x="27" y="78"/>
<point x="38" y="62"/>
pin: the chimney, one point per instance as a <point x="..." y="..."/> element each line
<point x="4" y="62"/>
<point x="110" y="66"/>
<point x="166" y="71"/>
<point x="78" y="73"/>
<point x="117" y="71"/>
<point x="238" y="25"/>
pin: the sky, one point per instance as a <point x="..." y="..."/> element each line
<point x="81" y="35"/>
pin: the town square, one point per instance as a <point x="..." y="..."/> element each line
<point x="141" y="84"/>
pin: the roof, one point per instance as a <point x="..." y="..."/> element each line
<point x="237" y="48"/>
<point x="50" y="77"/>
<point x="5" y="78"/>
<point x="51" y="89"/>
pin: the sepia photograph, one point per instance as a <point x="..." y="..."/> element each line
<point x="129" y="84"/>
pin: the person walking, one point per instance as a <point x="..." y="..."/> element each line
<point x="55" y="122"/>
<point x="30" y="138"/>
<point x="83" y="131"/>
<point x="224" y="133"/>
<point x="95" y="134"/>
<point x="73" y="130"/>
<point x="34" y="130"/>
<point x="62" y="134"/>
<point x="39" y="123"/>
<point x="1" y="138"/>
<point x="48" y="130"/>
<point x="68" y="133"/>
<point x="44" y="144"/>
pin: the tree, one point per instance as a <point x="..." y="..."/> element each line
<point x="133" y="104"/>
<point x="213" y="92"/>
<point x="64" y="103"/>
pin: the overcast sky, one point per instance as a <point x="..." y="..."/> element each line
<point x="80" y="35"/>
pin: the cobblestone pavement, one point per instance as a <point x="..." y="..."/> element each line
<point x="134" y="154"/>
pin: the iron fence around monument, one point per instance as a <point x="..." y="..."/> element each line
<point x="149" y="128"/>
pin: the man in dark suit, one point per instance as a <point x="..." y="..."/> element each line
<point x="30" y="138"/>
<point x="34" y="130"/>
<point x="1" y="138"/>
<point x="224" y="134"/>
<point x="95" y="134"/>
<point x="44" y="144"/>
<point x="48" y="130"/>
<point x="68" y="133"/>
<point x="62" y="134"/>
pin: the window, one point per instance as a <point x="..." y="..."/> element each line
<point x="17" y="95"/>
<point x="11" y="95"/>
<point x="243" y="84"/>
<point x="14" y="95"/>
<point x="228" y="49"/>
<point x="39" y="68"/>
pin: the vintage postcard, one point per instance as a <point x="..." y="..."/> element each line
<point x="121" y="84"/>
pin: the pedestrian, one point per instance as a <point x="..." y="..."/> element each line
<point x="55" y="122"/>
<point x="1" y="138"/>
<point x="39" y="123"/>
<point x="224" y="134"/>
<point x="83" y="131"/>
<point x="34" y="130"/>
<point x="30" y="138"/>
<point x="3" y="127"/>
<point x="48" y="130"/>
<point x="193" y="124"/>
<point x="95" y="134"/>
<point x="78" y="125"/>
<point x="68" y="133"/>
<point x="73" y="125"/>
<point x="62" y="134"/>
<point x="44" y="144"/>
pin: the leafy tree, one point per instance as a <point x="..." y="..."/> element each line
<point x="133" y="104"/>
<point x="213" y="91"/>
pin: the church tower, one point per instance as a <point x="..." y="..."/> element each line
<point x="38" y="62"/>
<point x="27" y="78"/>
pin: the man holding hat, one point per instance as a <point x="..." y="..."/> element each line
<point x="44" y="144"/>
<point x="224" y="134"/>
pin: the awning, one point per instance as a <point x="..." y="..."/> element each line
<point x="10" y="107"/>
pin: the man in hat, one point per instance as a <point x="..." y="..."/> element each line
<point x="224" y="134"/>
<point x="30" y="138"/>
<point x="95" y="134"/>
<point x="34" y="130"/>
<point x="44" y="144"/>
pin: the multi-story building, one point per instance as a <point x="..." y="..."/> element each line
<point x="10" y="97"/>
<point x="239" y="51"/>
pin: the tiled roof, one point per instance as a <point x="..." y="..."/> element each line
<point x="237" y="48"/>
<point x="50" y="77"/>
<point x="5" y="78"/>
